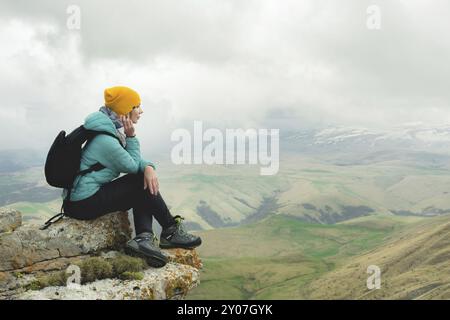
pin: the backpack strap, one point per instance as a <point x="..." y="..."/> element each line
<point x="96" y="167"/>
<point x="53" y="219"/>
<point x="92" y="134"/>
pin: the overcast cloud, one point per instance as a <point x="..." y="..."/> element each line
<point x="274" y="64"/>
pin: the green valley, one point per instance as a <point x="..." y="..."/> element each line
<point x="281" y="256"/>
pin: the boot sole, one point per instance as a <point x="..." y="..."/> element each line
<point x="153" y="261"/>
<point x="181" y="246"/>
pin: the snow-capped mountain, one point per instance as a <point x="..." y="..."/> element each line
<point x="409" y="135"/>
<point x="351" y="145"/>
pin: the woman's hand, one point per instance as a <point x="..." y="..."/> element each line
<point x="128" y="127"/>
<point x="150" y="180"/>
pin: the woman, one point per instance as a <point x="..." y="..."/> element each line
<point x="96" y="193"/>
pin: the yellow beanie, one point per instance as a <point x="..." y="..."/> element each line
<point x="121" y="99"/>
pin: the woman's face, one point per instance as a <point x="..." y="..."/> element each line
<point x="135" y="114"/>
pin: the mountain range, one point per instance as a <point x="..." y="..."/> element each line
<point x="344" y="198"/>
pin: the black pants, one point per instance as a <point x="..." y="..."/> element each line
<point x="123" y="194"/>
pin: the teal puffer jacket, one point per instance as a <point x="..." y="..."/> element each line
<point x="109" y="152"/>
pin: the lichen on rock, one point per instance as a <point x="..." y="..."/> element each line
<point x="10" y="220"/>
<point x="33" y="262"/>
<point x="67" y="238"/>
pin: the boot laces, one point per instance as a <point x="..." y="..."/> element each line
<point x="180" y="226"/>
<point x="152" y="237"/>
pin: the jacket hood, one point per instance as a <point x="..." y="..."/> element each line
<point x="98" y="121"/>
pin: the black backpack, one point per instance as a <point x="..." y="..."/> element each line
<point x="62" y="165"/>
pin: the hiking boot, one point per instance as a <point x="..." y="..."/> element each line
<point x="145" y="246"/>
<point x="176" y="237"/>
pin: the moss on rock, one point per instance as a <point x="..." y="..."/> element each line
<point x="49" y="280"/>
<point x="130" y="275"/>
<point x="95" y="268"/>
<point x="124" y="263"/>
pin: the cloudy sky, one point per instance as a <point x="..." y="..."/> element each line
<point x="231" y="63"/>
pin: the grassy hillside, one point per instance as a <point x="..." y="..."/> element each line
<point x="329" y="193"/>
<point x="315" y="191"/>
<point x="28" y="185"/>
<point x="262" y="239"/>
<point x="414" y="264"/>
<point x="220" y="196"/>
<point x="35" y="212"/>
<point x="280" y="256"/>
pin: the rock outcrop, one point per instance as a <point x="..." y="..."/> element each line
<point x="9" y="220"/>
<point x="173" y="281"/>
<point x="29" y="255"/>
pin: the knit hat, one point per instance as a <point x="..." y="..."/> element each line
<point x="121" y="99"/>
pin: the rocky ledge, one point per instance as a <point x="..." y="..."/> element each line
<point x="40" y="264"/>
